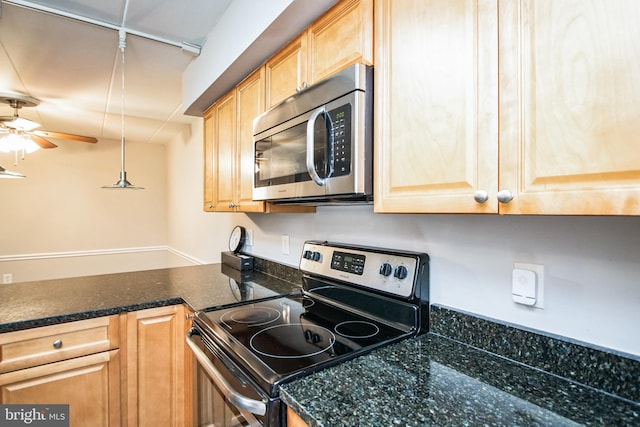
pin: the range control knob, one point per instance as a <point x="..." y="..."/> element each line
<point x="386" y="269"/>
<point x="307" y="254"/>
<point x="401" y="272"/>
<point x="316" y="256"/>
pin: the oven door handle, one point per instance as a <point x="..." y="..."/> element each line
<point x="257" y="407"/>
<point x="311" y="161"/>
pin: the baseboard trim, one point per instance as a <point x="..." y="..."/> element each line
<point x="186" y="256"/>
<point x="95" y="252"/>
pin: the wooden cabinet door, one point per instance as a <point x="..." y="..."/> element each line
<point x="224" y="157"/>
<point x="569" y="91"/>
<point x="250" y="95"/>
<point x="209" y="163"/>
<point x="90" y="385"/>
<point x="436" y="105"/>
<point x="341" y="37"/>
<point x="155" y="367"/>
<point x="286" y="71"/>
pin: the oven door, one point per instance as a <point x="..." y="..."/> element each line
<point x="223" y="395"/>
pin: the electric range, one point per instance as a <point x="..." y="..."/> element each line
<point x="354" y="299"/>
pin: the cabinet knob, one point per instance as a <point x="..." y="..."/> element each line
<point x="189" y="316"/>
<point x="505" y="196"/>
<point x="210" y="205"/>
<point x="481" y="196"/>
<point x="57" y="344"/>
<point x="232" y="205"/>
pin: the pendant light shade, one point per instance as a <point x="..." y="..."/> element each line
<point x="8" y="174"/>
<point x="122" y="183"/>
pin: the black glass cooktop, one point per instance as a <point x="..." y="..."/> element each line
<point x="286" y="337"/>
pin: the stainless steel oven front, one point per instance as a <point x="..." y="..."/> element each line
<point x="223" y="395"/>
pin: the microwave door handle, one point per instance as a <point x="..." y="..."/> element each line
<point x="311" y="168"/>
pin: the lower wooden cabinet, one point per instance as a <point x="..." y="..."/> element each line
<point x="156" y="373"/>
<point x="127" y="370"/>
<point x="75" y="363"/>
<point x="294" y="420"/>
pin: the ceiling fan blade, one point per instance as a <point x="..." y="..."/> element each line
<point x="43" y="143"/>
<point x="59" y="135"/>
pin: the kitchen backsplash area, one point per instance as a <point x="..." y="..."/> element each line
<point x="591" y="291"/>
<point x="611" y="372"/>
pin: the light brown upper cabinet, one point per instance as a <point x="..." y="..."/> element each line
<point x="220" y="142"/>
<point x="341" y="37"/>
<point x="509" y="106"/>
<point x="228" y="132"/>
<point x="286" y="71"/>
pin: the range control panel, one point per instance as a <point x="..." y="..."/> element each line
<point x="385" y="270"/>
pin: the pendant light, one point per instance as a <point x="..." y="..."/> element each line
<point x="122" y="183"/>
<point x="8" y="174"/>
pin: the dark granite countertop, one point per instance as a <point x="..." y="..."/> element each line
<point x="39" y="303"/>
<point x="433" y="380"/>
<point x="428" y="380"/>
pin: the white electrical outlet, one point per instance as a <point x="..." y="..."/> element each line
<point x="249" y="241"/>
<point x="285" y="244"/>
<point x="528" y="276"/>
<point x="7" y="278"/>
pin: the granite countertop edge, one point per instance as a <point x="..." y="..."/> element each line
<point x="88" y="314"/>
<point x="25" y="305"/>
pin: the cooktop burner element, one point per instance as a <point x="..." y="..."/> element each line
<point x="301" y="341"/>
<point x="357" y="329"/>
<point x="251" y="316"/>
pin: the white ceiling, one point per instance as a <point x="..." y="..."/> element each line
<point x="74" y="67"/>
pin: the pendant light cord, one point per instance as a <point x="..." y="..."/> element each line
<point x="122" y="44"/>
<point x="122" y="182"/>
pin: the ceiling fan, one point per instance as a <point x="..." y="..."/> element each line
<point x="25" y="128"/>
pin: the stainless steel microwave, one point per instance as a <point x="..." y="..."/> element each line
<point x="316" y="146"/>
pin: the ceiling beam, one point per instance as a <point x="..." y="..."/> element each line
<point x="190" y="48"/>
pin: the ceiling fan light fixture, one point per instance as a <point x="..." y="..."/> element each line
<point x="16" y="143"/>
<point x="8" y="174"/>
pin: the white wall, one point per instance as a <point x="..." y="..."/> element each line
<point x="58" y="222"/>
<point x="191" y="231"/>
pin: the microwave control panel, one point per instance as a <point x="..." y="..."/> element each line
<point x="341" y="121"/>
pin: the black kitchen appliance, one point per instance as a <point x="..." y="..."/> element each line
<point x="354" y="299"/>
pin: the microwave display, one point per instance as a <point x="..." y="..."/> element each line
<point x="281" y="157"/>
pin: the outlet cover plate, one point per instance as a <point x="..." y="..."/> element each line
<point x="539" y="270"/>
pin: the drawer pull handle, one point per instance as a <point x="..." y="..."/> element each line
<point x="57" y="344"/>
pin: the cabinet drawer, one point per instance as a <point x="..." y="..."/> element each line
<point x="33" y="347"/>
